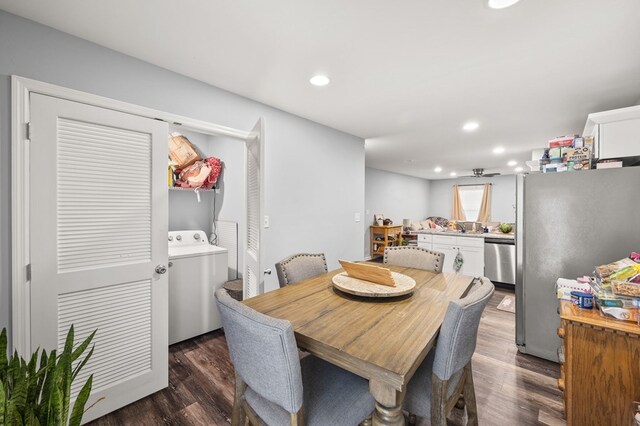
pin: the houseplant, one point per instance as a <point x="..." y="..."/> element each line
<point x="39" y="392"/>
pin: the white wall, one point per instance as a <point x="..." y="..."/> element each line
<point x="396" y="196"/>
<point x="314" y="175"/>
<point x="503" y="196"/>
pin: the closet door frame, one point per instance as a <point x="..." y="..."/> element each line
<point x="21" y="87"/>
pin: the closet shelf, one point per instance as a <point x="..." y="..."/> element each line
<point x="177" y="188"/>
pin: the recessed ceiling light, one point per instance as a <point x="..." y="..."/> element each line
<point x="437" y="169"/>
<point x="512" y="163"/>
<point x="453" y="174"/>
<point x="501" y="4"/>
<point x="517" y="169"/>
<point x="498" y="150"/>
<point x="470" y="126"/>
<point x="319" y="80"/>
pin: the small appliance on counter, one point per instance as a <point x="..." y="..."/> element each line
<point x="196" y="270"/>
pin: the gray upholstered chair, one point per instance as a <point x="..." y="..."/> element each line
<point x="446" y="374"/>
<point x="414" y="257"/>
<point x="274" y="387"/>
<point x="299" y="267"/>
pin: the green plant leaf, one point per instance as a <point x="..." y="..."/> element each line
<point x="32" y="375"/>
<point x="81" y="364"/>
<point x="3" y="355"/>
<point x="81" y="400"/>
<point x="19" y="392"/>
<point x="45" y="406"/>
<point x="3" y="401"/>
<point x="82" y="346"/>
<point x="30" y="417"/>
<point x="9" y="413"/>
<point x="65" y="374"/>
<point x="38" y="392"/>
<point x="55" y="415"/>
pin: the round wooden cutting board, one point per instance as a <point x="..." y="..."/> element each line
<point x="404" y="285"/>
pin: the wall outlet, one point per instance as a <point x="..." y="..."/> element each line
<point x="266" y="222"/>
<point x="357" y="217"/>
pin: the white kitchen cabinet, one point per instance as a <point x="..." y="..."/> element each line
<point x="616" y="133"/>
<point x="425" y="241"/>
<point x="449" y="254"/>
<point x="471" y="248"/>
<point x="473" y="261"/>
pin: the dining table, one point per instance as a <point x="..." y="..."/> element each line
<point x="383" y="340"/>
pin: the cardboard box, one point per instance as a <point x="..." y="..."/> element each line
<point x="579" y="165"/>
<point x="561" y="141"/>
<point x="181" y="151"/>
<point x="579" y="154"/>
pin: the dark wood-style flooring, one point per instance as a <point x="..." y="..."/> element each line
<point x="511" y="388"/>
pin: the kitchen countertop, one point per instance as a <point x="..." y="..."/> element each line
<point x="499" y="235"/>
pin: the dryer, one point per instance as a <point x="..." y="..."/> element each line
<point x="196" y="270"/>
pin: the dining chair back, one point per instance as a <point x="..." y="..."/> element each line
<point x="275" y="387"/>
<point x="414" y="257"/>
<point x="445" y="378"/>
<point x="459" y="331"/>
<point x="299" y="267"/>
<point x="263" y="351"/>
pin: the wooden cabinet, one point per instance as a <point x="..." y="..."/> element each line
<point x="384" y="236"/>
<point x="600" y="376"/>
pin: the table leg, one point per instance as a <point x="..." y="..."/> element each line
<point x="388" y="410"/>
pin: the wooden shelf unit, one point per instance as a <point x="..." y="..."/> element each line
<point x="391" y="236"/>
<point x="600" y="375"/>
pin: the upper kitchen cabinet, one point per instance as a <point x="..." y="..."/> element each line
<point x="616" y="133"/>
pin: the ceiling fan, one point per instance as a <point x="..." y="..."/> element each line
<point x="477" y="173"/>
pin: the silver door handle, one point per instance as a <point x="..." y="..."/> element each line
<point x="267" y="271"/>
<point x="161" y="269"/>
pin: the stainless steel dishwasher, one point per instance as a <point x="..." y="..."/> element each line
<point x="500" y="260"/>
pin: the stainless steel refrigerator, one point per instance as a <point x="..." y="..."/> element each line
<point x="567" y="223"/>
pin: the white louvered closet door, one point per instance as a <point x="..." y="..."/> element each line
<point x="98" y="208"/>
<point x="253" y="276"/>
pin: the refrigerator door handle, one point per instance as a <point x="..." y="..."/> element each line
<point x="520" y="285"/>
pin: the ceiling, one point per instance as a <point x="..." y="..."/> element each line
<point x="405" y="75"/>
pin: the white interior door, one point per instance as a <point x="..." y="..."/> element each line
<point x="253" y="276"/>
<point x="98" y="231"/>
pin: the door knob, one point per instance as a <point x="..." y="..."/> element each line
<point x="161" y="269"/>
<point x="267" y="271"/>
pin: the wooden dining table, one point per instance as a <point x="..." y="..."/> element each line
<point x="383" y="340"/>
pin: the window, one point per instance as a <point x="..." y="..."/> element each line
<point x="471" y="198"/>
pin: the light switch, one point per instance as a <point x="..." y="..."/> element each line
<point x="266" y="222"/>
<point x="367" y="211"/>
<point x="357" y="217"/>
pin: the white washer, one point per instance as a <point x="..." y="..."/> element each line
<point x="196" y="270"/>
